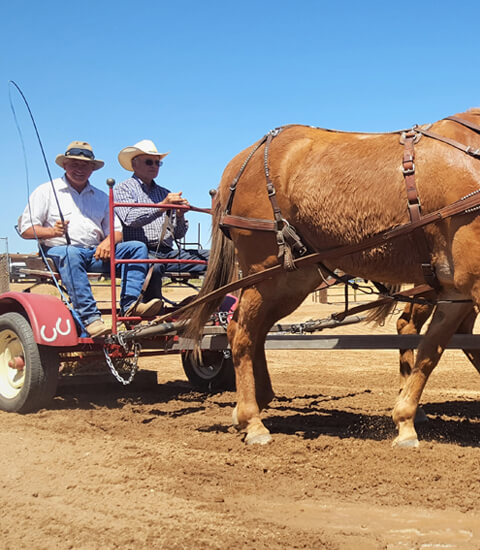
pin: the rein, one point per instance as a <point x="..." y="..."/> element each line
<point x="464" y="205"/>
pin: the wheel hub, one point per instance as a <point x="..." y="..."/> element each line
<point x="12" y="365"/>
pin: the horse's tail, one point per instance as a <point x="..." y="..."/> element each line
<point x="220" y="271"/>
<point x="379" y="314"/>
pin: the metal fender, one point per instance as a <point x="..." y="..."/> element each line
<point x="51" y="321"/>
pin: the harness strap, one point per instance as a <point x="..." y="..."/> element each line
<point x="464" y="205"/>
<point x="409" y="293"/>
<point x="465" y="148"/>
<point x="229" y="220"/>
<point x="467" y="123"/>
<point x="233" y="185"/>
<point x="289" y="242"/>
<point x="414" y="208"/>
<point x="284" y="232"/>
<point x="283" y="251"/>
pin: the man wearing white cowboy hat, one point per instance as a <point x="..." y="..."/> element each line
<point x="157" y="228"/>
<point x="71" y="206"/>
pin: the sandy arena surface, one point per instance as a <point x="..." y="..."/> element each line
<point x="158" y="465"/>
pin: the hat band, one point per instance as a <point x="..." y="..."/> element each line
<point x="76" y="151"/>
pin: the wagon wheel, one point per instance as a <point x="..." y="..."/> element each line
<point x="28" y="372"/>
<point x="215" y="371"/>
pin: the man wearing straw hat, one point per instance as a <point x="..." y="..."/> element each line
<point x="158" y="228"/>
<point x="70" y="218"/>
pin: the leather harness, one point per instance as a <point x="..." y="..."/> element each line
<point x="289" y="242"/>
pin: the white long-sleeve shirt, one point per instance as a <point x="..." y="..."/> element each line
<point x="87" y="213"/>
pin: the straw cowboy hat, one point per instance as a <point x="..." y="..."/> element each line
<point x="80" y="150"/>
<point x="144" y="147"/>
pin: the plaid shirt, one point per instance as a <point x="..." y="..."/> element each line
<point x="146" y="224"/>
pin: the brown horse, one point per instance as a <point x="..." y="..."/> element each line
<point x="338" y="189"/>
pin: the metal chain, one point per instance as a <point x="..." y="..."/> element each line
<point x="132" y="361"/>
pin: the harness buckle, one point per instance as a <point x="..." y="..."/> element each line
<point x="470" y="151"/>
<point x="414" y="133"/>
<point x="408" y="171"/>
<point x="414" y="202"/>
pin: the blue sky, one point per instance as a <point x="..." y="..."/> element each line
<point x="204" y="80"/>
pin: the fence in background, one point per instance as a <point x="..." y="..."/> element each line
<point x="336" y="294"/>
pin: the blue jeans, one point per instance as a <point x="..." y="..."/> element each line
<point x="154" y="289"/>
<point x="73" y="264"/>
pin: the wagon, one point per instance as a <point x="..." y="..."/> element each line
<point x="39" y="337"/>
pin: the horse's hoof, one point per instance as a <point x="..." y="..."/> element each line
<point x="258" y="439"/>
<point x="411" y="443"/>
<point x="420" y="416"/>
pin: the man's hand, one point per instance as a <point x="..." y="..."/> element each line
<point x="39" y="232"/>
<point x="103" y="250"/>
<point x="60" y="228"/>
<point x="176" y="198"/>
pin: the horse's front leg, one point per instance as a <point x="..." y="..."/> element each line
<point x="254" y="389"/>
<point x="411" y="321"/>
<point x="446" y="319"/>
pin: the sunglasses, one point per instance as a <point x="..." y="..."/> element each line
<point x="77" y="152"/>
<point x="150" y="162"/>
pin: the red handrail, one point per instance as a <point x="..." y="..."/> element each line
<point x="113" y="261"/>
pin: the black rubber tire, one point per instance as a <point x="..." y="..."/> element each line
<point x="215" y="373"/>
<point x="35" y="387"/>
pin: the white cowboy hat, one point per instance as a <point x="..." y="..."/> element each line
<point x="80" y="150"/>
<point x="144" y="147"/>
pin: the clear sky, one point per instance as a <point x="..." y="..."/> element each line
<point x="204" y="80"/>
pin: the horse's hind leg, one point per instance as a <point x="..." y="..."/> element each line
<point x="446" y="320"/>
<point x="258" y="309"/>
<point x="412" y="320"/>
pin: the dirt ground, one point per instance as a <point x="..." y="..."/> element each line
<point x="158" y="465"/>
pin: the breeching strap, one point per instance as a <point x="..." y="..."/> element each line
<point x="289" y="243"/>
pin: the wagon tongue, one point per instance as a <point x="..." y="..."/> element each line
<point x="146" y="331"/>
